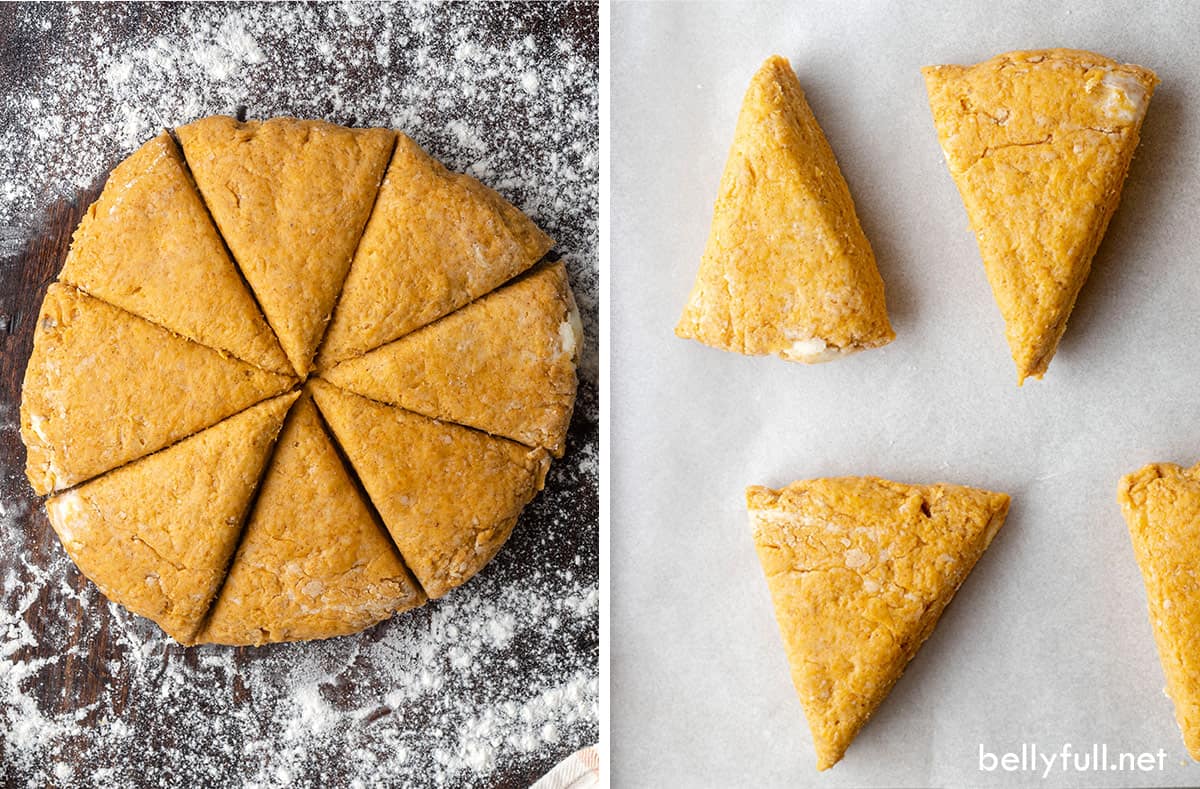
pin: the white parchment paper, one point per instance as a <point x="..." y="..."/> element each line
<point x="1048" y="642"/>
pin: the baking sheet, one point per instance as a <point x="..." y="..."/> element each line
<point x="489" y="686"/>
<point x="1048" y="641"/>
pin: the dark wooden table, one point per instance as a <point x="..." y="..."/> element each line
<point x="90" y="695"/>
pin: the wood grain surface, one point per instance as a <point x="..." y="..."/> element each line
<point x="84" y="671"/>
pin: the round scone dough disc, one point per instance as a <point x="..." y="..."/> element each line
<point x="449" y="495"/>
<point x="291" y="198"/>
<point x="504" y="364"/>
<point x="156" y="535"/>
<point x="436" y="241"/>
<point x="313" y="562"/>
<point x="142" y="388"/>
<point x="104" y="387"/>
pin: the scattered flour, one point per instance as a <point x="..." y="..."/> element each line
<point x="495" y="682"/>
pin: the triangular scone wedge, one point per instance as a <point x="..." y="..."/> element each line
<point x="787" y="269"/>
<point x="860" y="569"/>
<point x="313" y="561"/>
<point x="1161" y="503"/>
<point x="504" y="364"/>
<point x="448" y="494"/>
<point x="291" y="198"/>
<point x="1038" y="144"/>
<point x="156" y="535"/>
<point x="148" y="246"/>
<point x="435" y="241"/>
<point x="104" y="387"/>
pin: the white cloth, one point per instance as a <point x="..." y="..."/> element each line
<point x="580" y="770"/>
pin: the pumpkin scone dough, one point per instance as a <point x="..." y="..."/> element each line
<point x="147" y="245"/>
<point x="313" y="562"/>
<point x="1039" y="144"/>
<point x="435" y="241"/>
<point x="156" y="536"/>
<point x="291" y="198"/>
<point x="448" y="494"/>
<point x="504" y="364"/>
<point x="104" y="387"/>
<point x="787" y="269"/>
<point x="860" y="570"/>
<point x="157" y="388"/>
<point x="1161" y="504"/>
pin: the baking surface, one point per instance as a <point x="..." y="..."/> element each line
<point x="490" y="686"/>
<point x="1048" y="642"/>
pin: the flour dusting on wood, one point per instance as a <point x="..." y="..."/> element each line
<point x="489" y="686"/>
